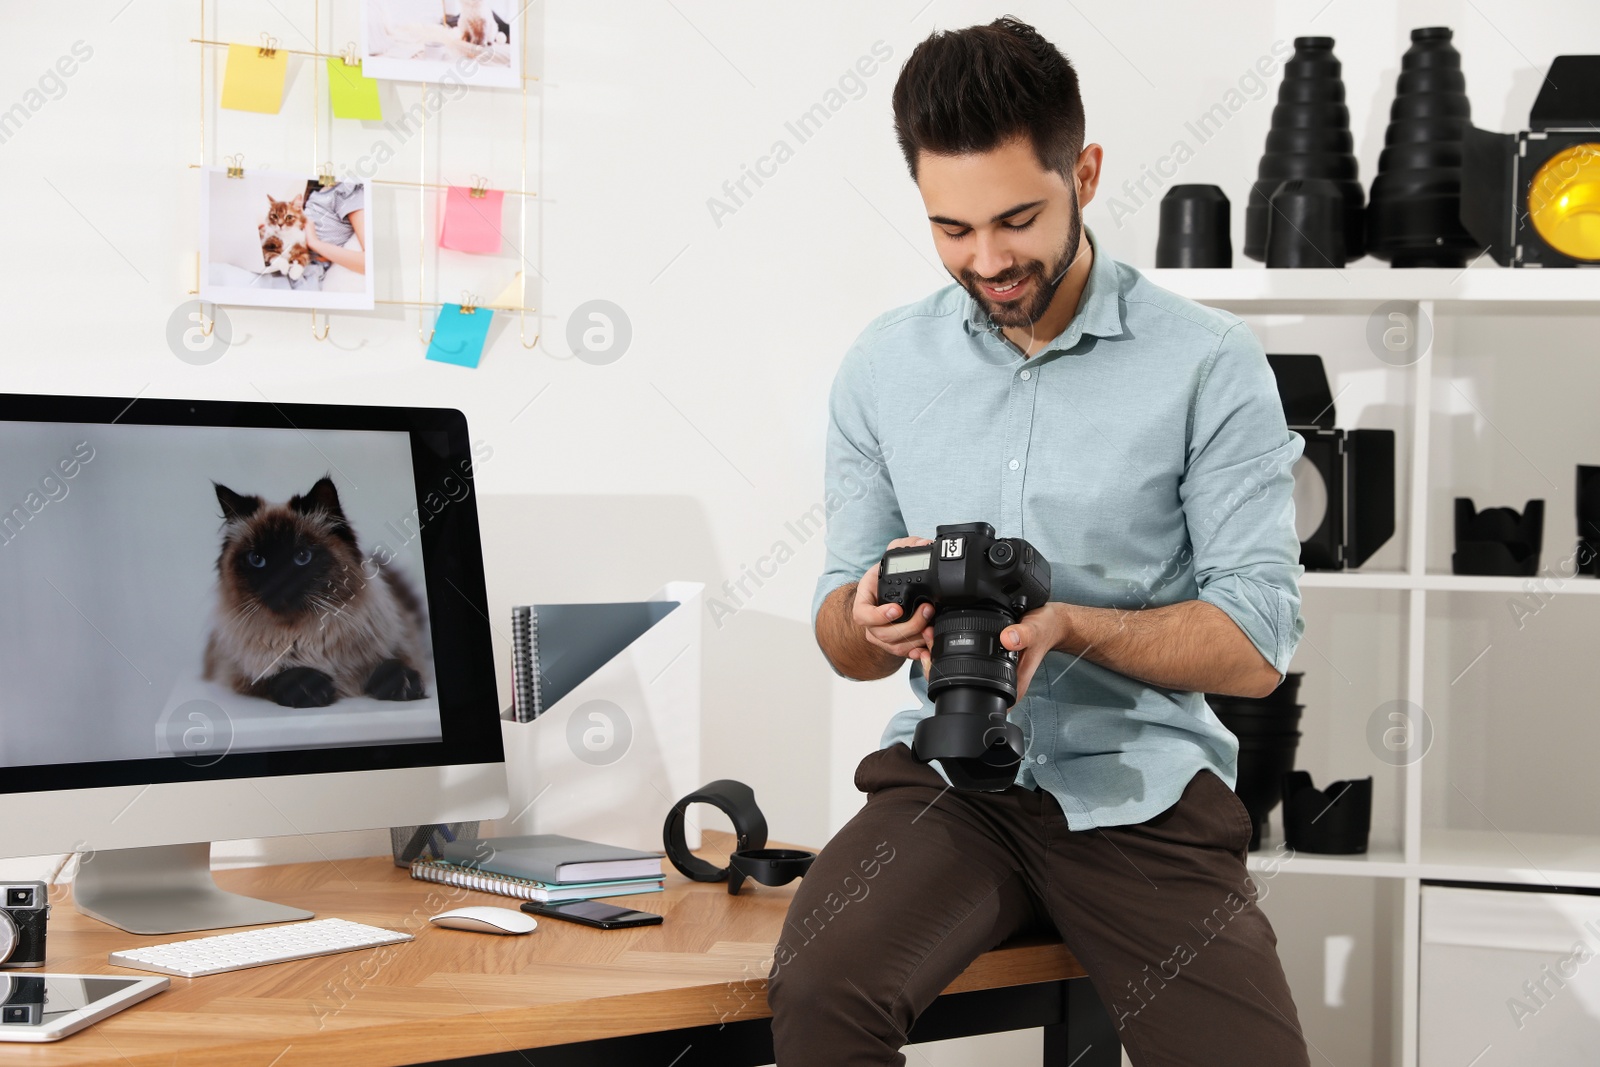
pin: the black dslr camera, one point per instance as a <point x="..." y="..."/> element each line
<point x="24" y="910"/>
<point x="978" y="585"/>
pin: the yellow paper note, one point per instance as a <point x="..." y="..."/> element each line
<point x="352" y="94"/>
<point x="253" y="82"/>
<point x="511" y="295"/>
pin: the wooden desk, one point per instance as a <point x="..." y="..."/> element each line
<point x="690" y="991"/>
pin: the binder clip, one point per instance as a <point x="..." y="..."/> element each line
<point x="469" y="303"/>
<point x="1498" y="540"/>
<point x="235" y="165"/>
<point x="350" y="56"/>
<point x="479" y="188"/>
<point x="325" y="176"/>
<point x="269" y="46"/>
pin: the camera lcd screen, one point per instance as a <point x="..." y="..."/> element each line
<point x="917" y="561"/>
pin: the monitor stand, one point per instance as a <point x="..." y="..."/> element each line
<point x="166" y="889"/>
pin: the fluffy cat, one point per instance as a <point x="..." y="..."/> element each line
<point x="474" y="32"/>
<point x="283" y="238"/>
<point x="478" y="24"/>
<point x="298" y="618"/>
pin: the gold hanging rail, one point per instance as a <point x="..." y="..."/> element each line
<point x="442" y="303"/>
<point x="349" y="55"/>
<point x="237" y="171"/>
<point x="447" y="185"/>
<point x="351" y="59"/>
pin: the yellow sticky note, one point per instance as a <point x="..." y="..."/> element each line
<point x="352" y="94"/>
<point x="252" y="81"/>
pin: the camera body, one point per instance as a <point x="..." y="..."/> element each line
<point x="978" y="585"/>
<point x="24" y="911"/>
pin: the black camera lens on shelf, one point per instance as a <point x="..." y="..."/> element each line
<point x="1194" y="228"/>
<point x="1414" y="216"/>
<point x="1310" y="138"/>
<point x="978" y="584"/>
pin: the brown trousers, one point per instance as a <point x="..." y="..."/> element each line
<point x="926" y="878"/>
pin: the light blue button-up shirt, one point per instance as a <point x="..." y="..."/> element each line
<point x="1143" y="451"/>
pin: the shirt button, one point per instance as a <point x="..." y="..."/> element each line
<point x="1025" y="375"/>
<point x="1013" y="464"/>
<point x="1042" y="758"/>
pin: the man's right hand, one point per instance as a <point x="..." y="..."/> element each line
<point x="882" y="625"/>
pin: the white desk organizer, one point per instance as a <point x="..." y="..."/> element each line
<point x="607" y="761"/>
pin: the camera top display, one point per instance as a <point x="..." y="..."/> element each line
<point x="966" y="567"/>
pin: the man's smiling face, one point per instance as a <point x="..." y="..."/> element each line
<point x="1006" y="228"/>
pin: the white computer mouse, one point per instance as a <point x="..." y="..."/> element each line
<point x="485" y="920"/>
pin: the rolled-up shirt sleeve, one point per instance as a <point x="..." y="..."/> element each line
<point x="858" y="504"/>
<point x="1238" y="497"/>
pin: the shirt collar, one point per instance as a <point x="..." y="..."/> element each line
<point x="1099" y="311"/>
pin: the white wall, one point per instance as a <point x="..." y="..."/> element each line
<point x="685" y="458"/>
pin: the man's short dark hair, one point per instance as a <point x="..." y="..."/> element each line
<point x="972" y="90"/>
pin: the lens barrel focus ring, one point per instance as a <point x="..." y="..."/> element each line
<point x="966" y="620"/>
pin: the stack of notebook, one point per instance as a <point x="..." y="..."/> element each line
<point x="543" y="867"/>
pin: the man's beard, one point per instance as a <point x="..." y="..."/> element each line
<point x="1026" y="313"/>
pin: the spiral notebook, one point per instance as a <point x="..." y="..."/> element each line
<point x="447" y="873"/>
<point x="554" y="647"/>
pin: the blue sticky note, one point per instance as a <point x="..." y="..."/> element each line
<point x="459" y="336"/>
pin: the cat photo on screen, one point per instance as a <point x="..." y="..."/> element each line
<point x="301" y="617"/>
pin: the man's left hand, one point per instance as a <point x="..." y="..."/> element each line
<point x="1039" y="631"/>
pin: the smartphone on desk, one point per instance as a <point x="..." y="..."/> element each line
<point x="593" y="913"/>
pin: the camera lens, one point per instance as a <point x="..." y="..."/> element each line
<point x="19" y="897"/>
<point x="1001" y="553"/>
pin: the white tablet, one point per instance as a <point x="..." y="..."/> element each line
<point x="48" y="1007"/>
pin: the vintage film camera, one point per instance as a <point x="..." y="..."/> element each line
<point x="24" y="910"/>
<point x="978" y="585"/>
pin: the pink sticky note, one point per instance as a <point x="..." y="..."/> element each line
<point x="469" y="223"/>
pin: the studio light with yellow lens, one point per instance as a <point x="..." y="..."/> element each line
<point x="1534" y="197"/>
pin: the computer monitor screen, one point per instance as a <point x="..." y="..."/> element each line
<point x="202" y="591"/>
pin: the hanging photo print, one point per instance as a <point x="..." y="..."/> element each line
<point x="461" y="42"/>
<point x="279" y="239"/>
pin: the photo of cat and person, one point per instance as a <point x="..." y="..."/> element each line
<point x="472" y="42"/>
<point x="303" y="618"/>
<point x="278" y="239"/>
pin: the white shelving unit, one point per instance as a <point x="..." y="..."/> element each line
<point x="1424" y="852"/>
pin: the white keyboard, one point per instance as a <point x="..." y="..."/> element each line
<point x="254" y="948"/>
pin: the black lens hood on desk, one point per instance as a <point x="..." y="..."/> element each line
<point x="751" y="858"/>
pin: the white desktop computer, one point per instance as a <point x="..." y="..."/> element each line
<point x="226" y="620"/>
